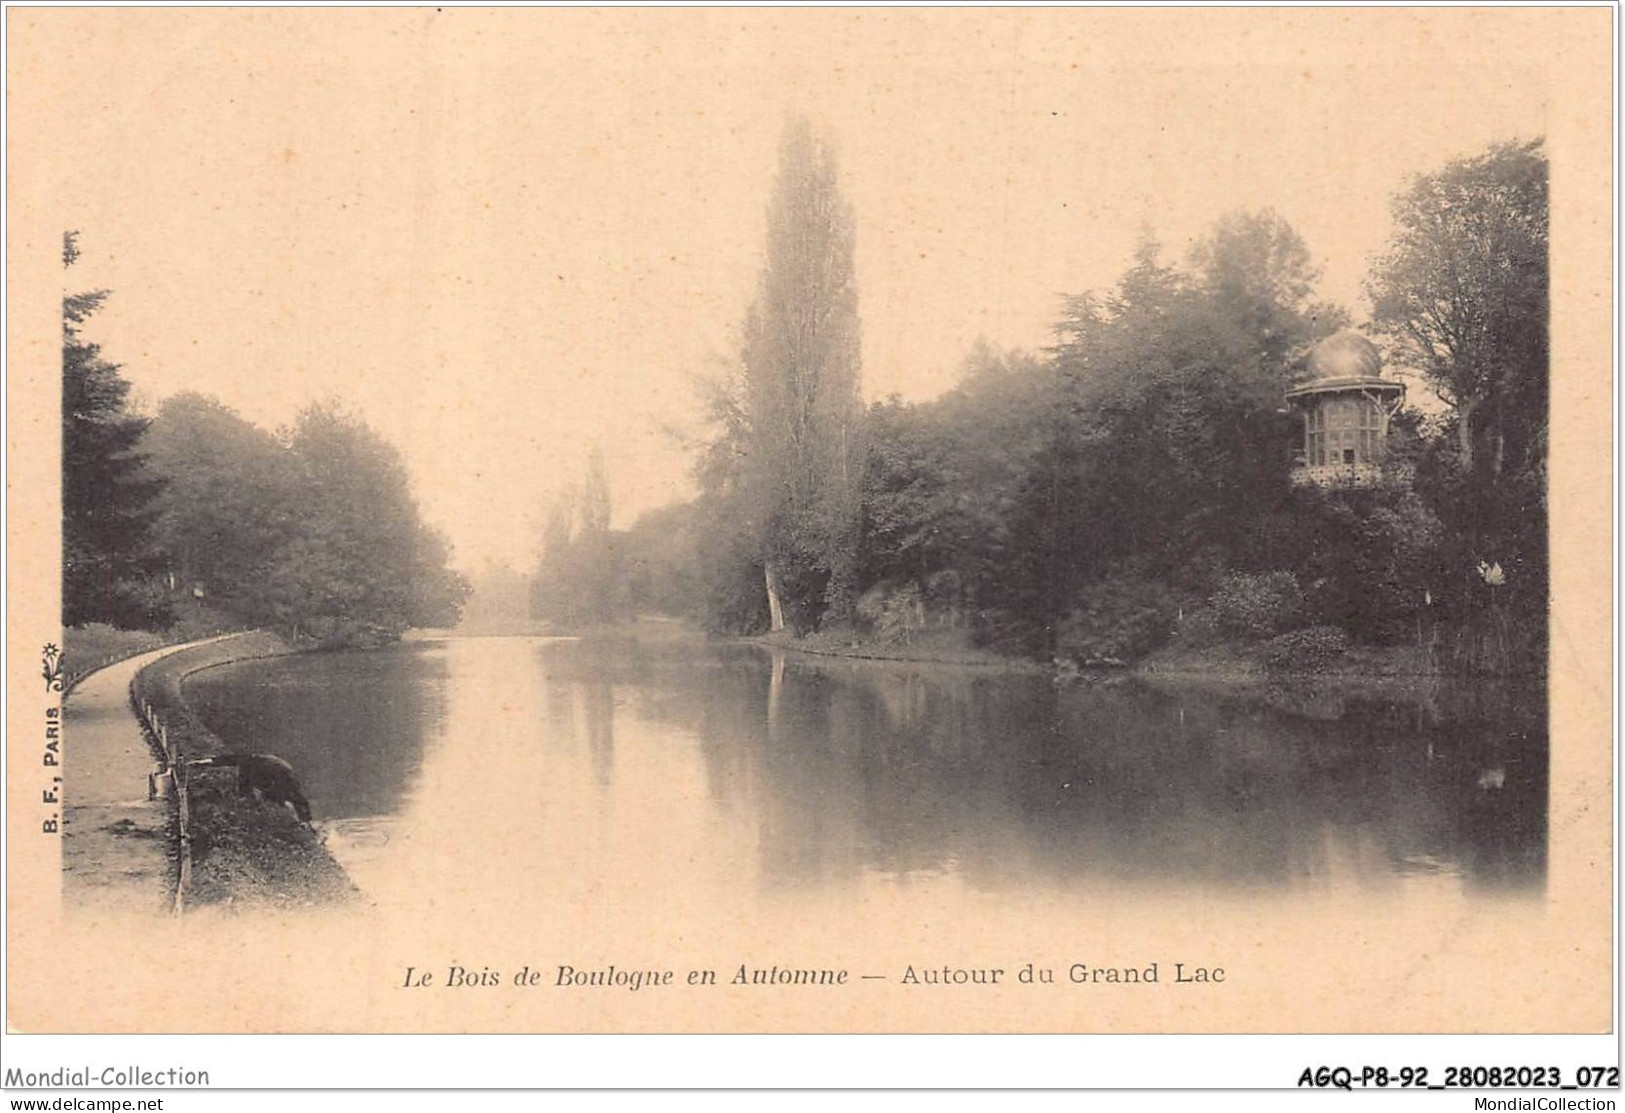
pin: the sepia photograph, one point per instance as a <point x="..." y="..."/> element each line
<point x="793" y="521"/>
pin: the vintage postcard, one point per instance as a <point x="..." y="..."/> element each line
<point x="809" y="521"/>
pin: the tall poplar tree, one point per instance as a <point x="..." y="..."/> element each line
<point x="595" y="510"/>
<point x="801" y="392"/>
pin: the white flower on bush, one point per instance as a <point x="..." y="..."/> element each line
<point x="1492" y="573"/>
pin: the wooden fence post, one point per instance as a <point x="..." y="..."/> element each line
<point x="183" y="811"/>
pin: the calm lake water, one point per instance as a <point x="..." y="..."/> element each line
<point x="726" y="766"/>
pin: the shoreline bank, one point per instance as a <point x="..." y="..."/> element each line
<point x="244" y="852"/>
<point x="941" y="653"/>
<point x="1230" y="666"/>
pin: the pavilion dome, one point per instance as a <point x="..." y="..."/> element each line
<point x="1345" y="355"/>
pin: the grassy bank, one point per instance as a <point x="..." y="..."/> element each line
<point x="97" y="645"/>
<point x="245" y="852"/>
<point x="1235" y="668"/>
<point x="937" y="648"/>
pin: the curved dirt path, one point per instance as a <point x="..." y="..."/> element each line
<point x="115" y="856"/>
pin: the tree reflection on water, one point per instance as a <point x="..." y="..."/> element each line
<point x="846" y="770"/>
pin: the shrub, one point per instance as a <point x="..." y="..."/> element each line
<point x="895" y="614"/>
<point x="1198" y="629"/>
<point x="1258" y="605"/>
<point x="1369" y="560"/>
<point x="1119" y="619"/>
<point x="1307" y="650"/>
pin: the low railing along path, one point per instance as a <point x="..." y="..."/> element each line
<point x="116" y="856"/>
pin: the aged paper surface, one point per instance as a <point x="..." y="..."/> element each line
<point x="227" y="169"/>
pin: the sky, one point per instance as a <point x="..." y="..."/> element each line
<point x="509" y="236"/>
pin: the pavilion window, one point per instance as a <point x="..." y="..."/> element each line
<point x="1343" y="431"/>
<point x="1371" y="438"/>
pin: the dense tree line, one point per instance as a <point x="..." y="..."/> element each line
<point x="311" y="530"/>
<point x="1130" y="486"/>
<point x="581" y="579"/>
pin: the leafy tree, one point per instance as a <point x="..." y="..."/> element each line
<point x="1148" y="450"/>
<point x="1116" y="620"/>
<point x="228" y="502"/>
<point x="940" y="484"/>
<point x="909" y="498"/>
<point x="438" y="593"/>
<point x="548" y="598"/>
<point x="362" y="567"/>
<point x="1259" y="604"/>
<point x="110" y="563"/>
<point x="1373" y="557"/>
<point x="1163" y="449"/>
<point x="1193" y="370"/>
<point x="1049" y="549"/>
<point x="732" y="567"/>
<point x="733" y="509"/>
<point x="1257" y="275"/>
<point x="1463" y="295"/>
<point x="664" y="574"/>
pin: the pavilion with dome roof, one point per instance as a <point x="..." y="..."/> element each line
<point x="1346" y="405"/>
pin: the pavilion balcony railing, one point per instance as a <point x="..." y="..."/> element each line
<point x="1347" y="475"/>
